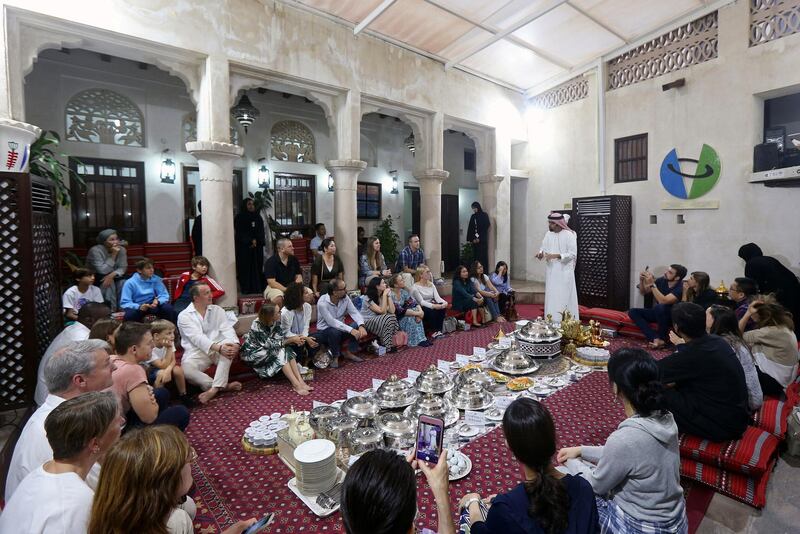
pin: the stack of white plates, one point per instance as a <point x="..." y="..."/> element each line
<point x="316" y="466"/>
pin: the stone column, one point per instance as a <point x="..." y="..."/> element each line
<point x="488" y="186"/>
<point x="430" y="210"/>
<point x="345" y="214"/>
<point x="216" y="176"/>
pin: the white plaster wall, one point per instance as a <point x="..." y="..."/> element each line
<point x="521" y="241"/>
<point x="461" y="182"/>
<point x="720" y="105"/>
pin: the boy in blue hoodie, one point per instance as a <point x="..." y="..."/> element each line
<point x="144" y="294"/>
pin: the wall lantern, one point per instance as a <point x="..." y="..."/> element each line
<point x="330" y="182"/>
<point x="167" y="168"/>
<point x="409" y="142"/>
<point x="263" y="174"/>
<point x="245" y="112"/>
<point x="393" y="174"/>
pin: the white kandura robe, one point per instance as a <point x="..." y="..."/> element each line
<point x="560" y="292"/>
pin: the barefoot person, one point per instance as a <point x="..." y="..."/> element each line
<point x="207" y="338"/>
<point x="265" y="349"/>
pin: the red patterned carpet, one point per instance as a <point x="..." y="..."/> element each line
<point x="232" y="484"/>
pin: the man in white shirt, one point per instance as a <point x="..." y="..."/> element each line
<point x="560" y="250"/>
<point x="316" y="241"/>
<point x="332" y="309"/>
<point x="80" y="367"/>
<point x="207" y="338"/>
<point x="89" y="314"/>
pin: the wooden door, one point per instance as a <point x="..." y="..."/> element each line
<point x="450" y="245"/>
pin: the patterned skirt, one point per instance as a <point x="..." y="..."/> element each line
<point x="384" y="326"/>
<point x="415" y="330"/>
<point x="613" y="519"/>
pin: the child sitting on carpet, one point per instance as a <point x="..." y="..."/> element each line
<point x="82" y="292"/>
<point x="639" y="466"/>
<point x="161" y="367"/>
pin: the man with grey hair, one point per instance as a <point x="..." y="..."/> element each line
<point x="90" y="313"/>
<point x="281" y="269"/>
<point x="78" y="368"/>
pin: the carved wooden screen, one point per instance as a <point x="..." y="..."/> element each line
<point x="604" y="251"/>
<point x="30" y="310"/>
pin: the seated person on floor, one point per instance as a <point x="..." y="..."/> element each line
<point x="411" y="257"/>
<point x="78" y="368"/>
<point x="326" y="268"/>
<point x="144" y="293"/>
<point x="637" y="479"/>
<point x="361" y="239"/>
<point x="296" y="321"/>
<point x="155" y="462"/>
<point x="372" y="264"/>
<point x="721" y="321"/>
<point x="55" y="497"/>
<point x="409" y="312"/>
<point x="434" y="307"/>
<point x="546" y="500"/>
<point x="773" y="341"/>
<point x="88" y="315"/>
<point x="332" y="310"/>
<point x="772" y="277"/>
<point x="83" y="292"/>
<point x="666" y="290"/>
<point x="706" y="388"/>
<point x="104" y="329"/>
<point x="207" y="338"/>
<point x="108" y="260"/>
<point x="199" y="273"/>
<point x="377" y="309"/>
<point x="742" y="292"/>
<point x="507" y="298"/>
<point x="316" y="242"/>
<point x="485" y="287"/>
<point x="265" y="349"/>
<point x="162" y="367"/>
<point x="141" y="403"/>
<point x="387" y="482"/>
<point x="465" y="298"/>
<point x="697" y="289"/>
<point x="281" y="269"/>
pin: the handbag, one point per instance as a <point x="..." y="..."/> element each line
<point x="399" y="339"/>
<point x="449" y="325"/>
<point x="486" y="315"/>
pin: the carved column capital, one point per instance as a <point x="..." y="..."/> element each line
<point x="345" y="165"/>
<point x="432" y="174"/>
<point x="490" y="179"/>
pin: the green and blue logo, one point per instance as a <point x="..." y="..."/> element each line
<point x="701" y="181"/>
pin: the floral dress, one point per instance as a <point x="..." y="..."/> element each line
<point x="263" y="349"/>
<point x="409" y="325"/>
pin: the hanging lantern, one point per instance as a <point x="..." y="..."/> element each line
<point x="330" y="182"/>
<point x="409" y="142"/>
<point x="167" y="168"/>
<point x="263" y="175"/>
<point x="245" y="112"/>
<point x="393" y="174"/>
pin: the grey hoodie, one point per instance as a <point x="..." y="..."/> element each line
<point x="639" y="468"/>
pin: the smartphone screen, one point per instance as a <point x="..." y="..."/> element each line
<point x="260" y="524"/>
<point x="430" y="432"/>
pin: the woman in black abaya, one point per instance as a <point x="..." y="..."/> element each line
<point x="249" y="235"/>
<point x="478" y="233"/>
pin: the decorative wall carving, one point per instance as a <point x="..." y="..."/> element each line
<point x="104" y="116"/>
<point x="189" y="130"/>
<point x="570" y="91"/>
<point x="292" y="141"/>
<point x="690" y="44"/>
<point x="773" y="19"/>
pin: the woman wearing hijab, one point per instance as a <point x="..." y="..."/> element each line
<point x="108" y="260"/>
<point x="249" y="235"/>
<point x="772" y="277"/>
<point x="478" y="234"/>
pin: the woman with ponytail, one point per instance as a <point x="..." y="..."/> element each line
<point x="637" y="478"/>
<point x="547" y="501"/>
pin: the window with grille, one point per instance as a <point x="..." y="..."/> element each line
<point x="294" y="202"/>
<point x="368" y="197"/>
<point x="630" y="159"/>
<point x="469" y="160"/>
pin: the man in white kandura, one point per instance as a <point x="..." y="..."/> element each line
<point x="560" y="250"/>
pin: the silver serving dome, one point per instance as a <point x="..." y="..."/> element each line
<point x="538" y="331"/>
<point x="365" y="439"/>
<point x="338" y="424"/>
<point x="514" y="362"/>
<point x="470" y="396"/>
<point x="395" y="393"/>
<point x="434" y="406"/>
<point x="320" y="414"/>
<point x="362" y="408"/>
<point x="476" y="376"/>
<point x="434" y="381"/>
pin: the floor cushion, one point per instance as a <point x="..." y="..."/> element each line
<point x="749" y="490"/>
<point x="772" y="416"/>
<point x="614" y="319"/>
<point x="752" y="455"/>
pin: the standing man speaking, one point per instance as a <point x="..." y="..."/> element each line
<point x="560" y="250"/>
